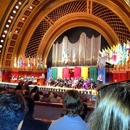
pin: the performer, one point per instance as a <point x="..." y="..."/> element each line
<point x="92" y="83"/>
<point x="86" y="84"/>
<point x="43" y="76"/>
<point x="50" y="81"/>
<point x="99" y="79"/>
<point x="75" y="82"/>
<point x="57" y="82"/>
<point x="80" y="82"/>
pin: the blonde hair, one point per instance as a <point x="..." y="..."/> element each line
<point x="113" y="111"/>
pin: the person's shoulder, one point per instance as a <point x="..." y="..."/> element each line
<point x="41" y="123"/>
<point x="56" y="124"/>
<point x="33" y="124"/>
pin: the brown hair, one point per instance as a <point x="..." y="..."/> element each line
<point x="72" y="102"/>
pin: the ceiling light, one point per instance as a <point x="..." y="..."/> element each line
<point x="2" y="41"/>
<point x="3" y="35"/>
<point x="5" y="31"/>
<point x="19" y="3"/>
<point x="16" y="31"/>
<point x="9" y="21"/>
<point x="14" y="11"/>
<point x="11" y="17"/>
<point x="0" y="46"/>
<point x="31" y="7"/>
<point x="23" y="18"/>
<point x="16" y="6"/>
<point x="7" y="25"/>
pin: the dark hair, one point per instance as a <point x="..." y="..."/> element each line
<point x="84" y="111"/>
<point x="35" y="89"/>
<point x="31" y="105"/>
<point x="12" y="110"/>
<point x="26" y="93"/>
<point x="36" y="97"/>
<point x="72" y="103"/>
<point x="55" y="95"/>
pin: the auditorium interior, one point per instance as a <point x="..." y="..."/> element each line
<point x="62" y="39"/>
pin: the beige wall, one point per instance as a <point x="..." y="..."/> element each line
<point x="3" y="6"/>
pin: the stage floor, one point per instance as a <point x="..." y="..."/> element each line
<point x="51" y="88"/>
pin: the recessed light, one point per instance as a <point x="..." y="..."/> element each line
<point x="16" y="31"/>
<point x="14" y="11"/>
<point x="9" y="21"/>
<point x="7" y="25"/>
<point x="31" y="7"/>
<point x="3" y="35"/>
<point x="19" y="3"/>
<point x="2" y="41"/>
<point x="11" y="17"/>
<point x="16" y="6"/>
<point x="23" y="18"/>
<point x="5" y="31"/>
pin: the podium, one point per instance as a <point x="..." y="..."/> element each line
<point x="40" y="81"/>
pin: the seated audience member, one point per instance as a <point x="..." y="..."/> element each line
<point x="113" y="109"/>
<point x="55" y="99"/>
<point x="72" y="103"/>
<point x="36" y="97"/>
<point x="12" y="110"/>
<point x="34" y="91"/>
<point x="51" y="95"/>
<point x="40" y="95"/>
<point x="26" y="86"/>
<point x="26" y="93"/>
<point x="19" y="86"/>
<point x="45" y="98"/>
<point x="29" y="122"/>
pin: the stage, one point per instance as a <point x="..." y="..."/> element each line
<point x="86" y="93"/>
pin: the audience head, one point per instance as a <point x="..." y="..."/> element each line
<point x="72" y="103"/>
<point x="35" y="89"/>
<point x="55" y="95"/>
<point x="113" y="110"/>
<point x="12" y="110"/>
<point x="26" y="93"/>
<point x="36" y="97"/>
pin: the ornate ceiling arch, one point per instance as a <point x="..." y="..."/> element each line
<point x="37" y="17"/>
<point x="71" y="21"/>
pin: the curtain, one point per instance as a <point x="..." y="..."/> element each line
<point x="59" y="73"/>
<point x="93" y="73"/>
<point x="84" y="72"/>
<point x="49" y="71"/>
<point x="102" y="72"/>
<point x="54" y="73"/>
<point x="83" y="52"/>
<point x="66" y="73"/>
<point x="77" y="71"/>
<point x="123" y="76"/>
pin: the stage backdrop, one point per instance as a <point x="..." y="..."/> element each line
<point x="84" y="72"/>
<point x="77" y="71"/>
<point x="82" y="53"/>
<point x="93" y="73"/>
<point x="54" y="73"/>
<point x="49" y="73"/>
<point x="102" y="72"/>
